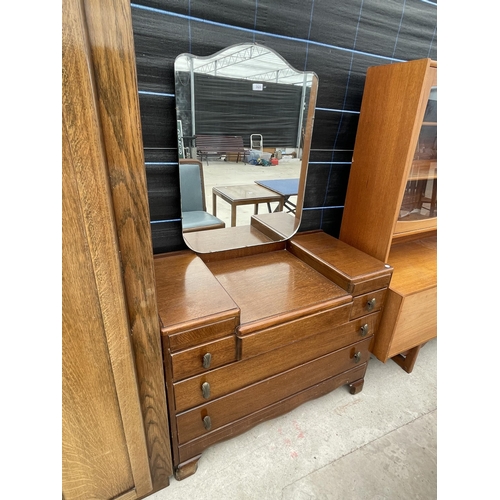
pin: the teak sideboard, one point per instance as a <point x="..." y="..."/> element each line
<point x="391" y="202"/>
<point x="251" y="337"/>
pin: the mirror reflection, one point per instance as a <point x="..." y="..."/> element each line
<point x="244" y="124"/>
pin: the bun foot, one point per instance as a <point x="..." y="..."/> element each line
<point x="356" y="386"/>
<point x="187" y="469"/>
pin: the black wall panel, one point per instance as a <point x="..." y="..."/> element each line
<point x="326" y="186"/>
<point x="158" y="121"/>
<point x="329" y="217"/>
<point x="226" y="106"/>
<point x="161" y="178"/>
<point x="337" y="40"/>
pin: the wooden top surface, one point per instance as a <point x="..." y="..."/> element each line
<point x="188" y="293"/>
<point x="220" y="240"/>
<point x="276" y="286"/>
<point x="246" y="193"/>
<point x="415" y="265"/>
<point x="349" y="262"/>
<point x="280" y="224"/>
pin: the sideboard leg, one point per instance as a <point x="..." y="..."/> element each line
<point x="186" y="469"/>
<point x="356" y="386"/>
<point x="406" y="360"/>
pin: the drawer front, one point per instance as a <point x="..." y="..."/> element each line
<point x="202" y="358"/>
<point x="278" y="336"/>
<point x="196" y="446"/>
<point x="371" y="285"/>
<point x="220" y="381"/>
<point x="222" y="411"/>
<point x="416" y="322"/>
<point x="202" y="334"/>
<point x="367" y="303"/>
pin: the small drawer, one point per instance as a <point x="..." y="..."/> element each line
<point x="367" y="303"/>
<point x="201" y="334"/>
<point x="198" y="421"/>
<point x="201" y="358"/>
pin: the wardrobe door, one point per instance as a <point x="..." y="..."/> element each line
<point x="113" y="414"/>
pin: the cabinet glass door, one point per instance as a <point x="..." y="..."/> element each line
<point x="419" y="203"/>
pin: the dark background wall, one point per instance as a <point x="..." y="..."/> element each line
<point x="338" y="40"/>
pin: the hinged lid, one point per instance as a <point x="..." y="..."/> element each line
<point x="350" y="268"/>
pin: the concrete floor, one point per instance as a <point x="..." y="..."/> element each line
<point x="378" y="444"/>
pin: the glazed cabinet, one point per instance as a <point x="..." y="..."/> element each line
<point x="249" y="338"/>
<point x="391" y="201"/>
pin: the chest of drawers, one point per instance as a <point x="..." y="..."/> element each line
<point x="249" y="338"/>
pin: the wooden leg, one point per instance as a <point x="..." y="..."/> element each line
<point x="186" y="469"/>
<point x="406" y="360"/>
<point x="356" y="386"/>
<point x="233" y="215"/>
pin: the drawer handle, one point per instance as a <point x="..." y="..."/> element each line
<point x="370" y="305"/>
<point x="357" y="357"/>
<point x="207" y="422"/>
<point x="205" y="389"/>
<point x="363" y="330"/>
<point x="207" y="359"/>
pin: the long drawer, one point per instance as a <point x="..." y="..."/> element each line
<point x="220" y="381"/>
<point x="198" y="421"/>
<point x="196" y="446"/>
<point x="277" y="336"/>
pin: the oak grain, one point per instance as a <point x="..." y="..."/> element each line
<point x="272" y="284"/>
<point x="104" y="451"/>
<point x="109" y="26"/>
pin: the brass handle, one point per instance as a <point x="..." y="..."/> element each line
<point x="370" y="304"/>
<point x="207" y="422"/>
<point x="363" y="330"/>
<point x="357" y="357"/>
<point x="205" y="389"/>
<point x="207" y="359"/>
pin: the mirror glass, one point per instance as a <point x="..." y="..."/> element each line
<point x="244" y="125"/>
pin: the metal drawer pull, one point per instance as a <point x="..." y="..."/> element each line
<point x="207" y="422"/>
<point x="205" y="389"/>
<point x="357" y="357"/>
<point x="363" y="330"/>
<point x="207" y="359"/>
<point x="370" y="304"/>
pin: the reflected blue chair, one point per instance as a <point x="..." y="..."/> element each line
<point x="193" y="207"/>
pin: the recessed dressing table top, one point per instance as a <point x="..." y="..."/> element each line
<point x="270" y="286"/>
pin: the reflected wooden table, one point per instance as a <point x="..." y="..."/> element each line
<point x="248" y="194"/>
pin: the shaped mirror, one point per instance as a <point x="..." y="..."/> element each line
<point x="244" y="125"/>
